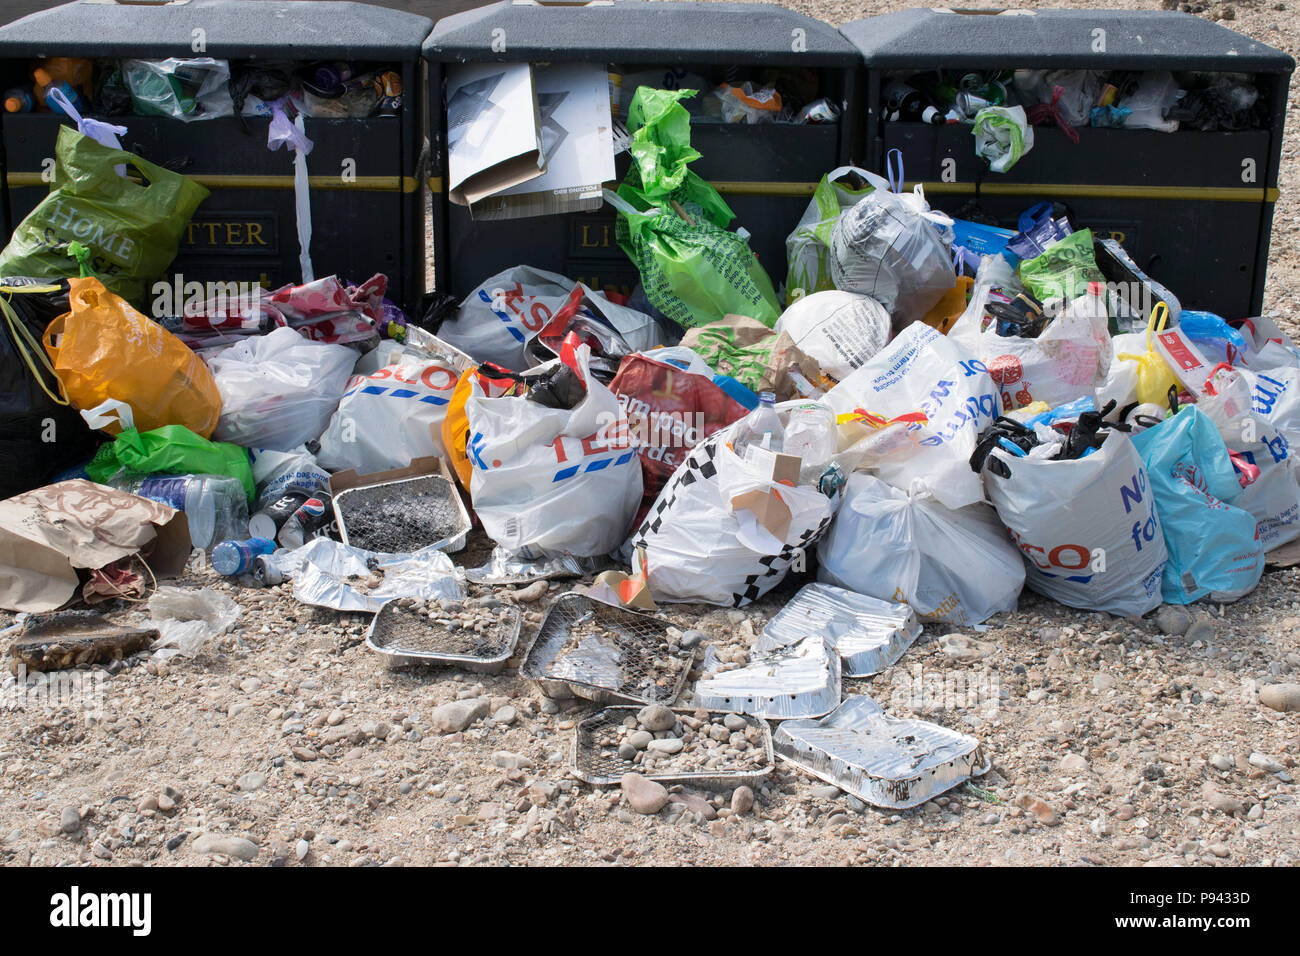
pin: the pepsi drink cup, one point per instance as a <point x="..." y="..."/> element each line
<point x="307" y="522"/>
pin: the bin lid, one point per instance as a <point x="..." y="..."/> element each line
<point x="1038" y="39"/>
<point x="268" y="29"/>
<point x="635" y="31"/>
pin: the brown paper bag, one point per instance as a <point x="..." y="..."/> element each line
<point x="754" y="355"/>
<point x="46" y="535"/>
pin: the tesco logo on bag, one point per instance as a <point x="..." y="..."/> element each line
<point x="575" y="456"/>
<point x="1069" y="560"/>
<point x="509" y="306"/>
<point x="429" y="378"/>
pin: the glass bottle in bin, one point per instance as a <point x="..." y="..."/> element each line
<point x="904" y="103"/>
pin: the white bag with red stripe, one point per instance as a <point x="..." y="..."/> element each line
<point x="551" y="481"/>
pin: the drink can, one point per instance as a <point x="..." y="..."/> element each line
<point x="268" y="522"/>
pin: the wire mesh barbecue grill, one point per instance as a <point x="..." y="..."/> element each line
<point x="602" y="766"/>
<point x="605" y="654"/>
<point x="407" y="638"/>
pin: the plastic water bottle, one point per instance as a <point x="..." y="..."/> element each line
<point x="215" y="505"/>
<point x="761" y="428"/>
<point x="232" y="558"/>
<point x="810" y="434"/>
<point x="45" y="83"/>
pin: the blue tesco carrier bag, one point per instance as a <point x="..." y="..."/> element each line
<point x="1214" y="547"/>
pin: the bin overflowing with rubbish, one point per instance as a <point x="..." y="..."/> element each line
<point x="1160" y="129"/>
<point x="302" y="120"/>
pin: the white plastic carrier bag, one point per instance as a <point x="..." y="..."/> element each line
<point x="551" y="481"/>
<point x="952" y="566"/>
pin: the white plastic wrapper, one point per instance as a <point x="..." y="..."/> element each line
<point x="699" y="547"/>
<point x="1070" y="359"/>
<point x="1087" y="528"/>
<point x="1080" y="91"/>
<point x="951" y="566"/>
<point x="892" y="247"/>
<point x="1002" y="136"/>
<point x="278" y="390"/>
<point x="321" y="569"/>
<point x="551" y="481"/>
<point x="1157" y="93"/>
<point x="496" y="320"/>
<point x="392" y="415"/>
<point x="206" y="81"/>
<point x="841" y="330"/>
<point x="188" y="619"/>
<point x="924" y="372"/>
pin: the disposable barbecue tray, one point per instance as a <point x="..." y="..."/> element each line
<point x="798" y="681"/>
<point x="886" y="761"/>
<point x="605" y="654"/>
<point x="602" y="766"/>
<point x="407" y="638"/>
<point x="868" y="633"/>
<point x="400" y="517"/>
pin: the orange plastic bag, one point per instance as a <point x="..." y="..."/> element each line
<point x="103" y="348"/>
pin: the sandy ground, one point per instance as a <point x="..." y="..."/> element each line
<point x="288" y="742"/>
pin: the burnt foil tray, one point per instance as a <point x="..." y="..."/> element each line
<point x="605" y="654"/>
<point x="798" y="681"/>
<point x="589" y="765"/>
<point x="886" y="761"/>
<point x="869" y="634"/>
<point x="401" y="517"/>
<point x="407" y="639"/>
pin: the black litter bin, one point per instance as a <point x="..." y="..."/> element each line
<point x="766" y="172"/>
<point x="1194" y="208"/>
<point x="366" y="201"/>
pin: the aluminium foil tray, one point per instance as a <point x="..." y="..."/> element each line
<point x="798" y="681"/>
<point x="406" y="638"/>
<point x="603" y="770"/>
<point x="416" y="513"/>
<point x="870" y="634"/>
<point x="605" y="654"/>
<point x="886" y="761"/>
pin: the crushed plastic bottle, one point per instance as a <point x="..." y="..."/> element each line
<point x="215" y="506"/>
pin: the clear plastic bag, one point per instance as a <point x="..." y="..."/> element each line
<point x="184" y="89"/>
<point x="278" y="390"/>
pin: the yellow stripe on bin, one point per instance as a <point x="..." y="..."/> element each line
<point x="405" y="184"/>
<point x="747" y="188"/>
<point x="1253" y="194"/>
<point x="735" y="188"/>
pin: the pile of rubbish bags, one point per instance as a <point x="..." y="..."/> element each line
<point x="929" y="416"/>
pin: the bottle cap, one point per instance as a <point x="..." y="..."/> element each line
<point x="13" y="105"/>
<point x="42" y="77"/>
